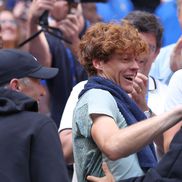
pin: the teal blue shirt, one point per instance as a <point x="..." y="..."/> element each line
<point x="88" y="158"/>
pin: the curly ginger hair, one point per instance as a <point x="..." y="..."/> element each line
<point x="103" y="40"/>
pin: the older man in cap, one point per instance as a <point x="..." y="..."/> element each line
<point x="30" y="149"/>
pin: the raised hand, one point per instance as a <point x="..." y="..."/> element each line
<point x="38" y="7"/>
<point x="140" y="91"/>
<point x="176" y="56"/>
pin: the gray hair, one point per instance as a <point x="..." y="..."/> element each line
<point x="25" y="81"/>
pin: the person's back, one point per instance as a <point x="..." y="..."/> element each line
<point x="23" y="135"/>
<point x="30" y="148"/>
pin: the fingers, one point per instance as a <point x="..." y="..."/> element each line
<point x="70" y="28"/>
<point x="140" y="90"/>
<point x="140" y="83"/>
<point x="92" y="178"/>
<point x="39" y="6"/>
<point x="108" y="176"/>
<point x="137" y="88"/>
<point x="105" y="168"/>
<point x="69" y="24"/>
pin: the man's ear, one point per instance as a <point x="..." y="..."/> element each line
<point x="15" y="84"/>
<point x="98" y="64"/>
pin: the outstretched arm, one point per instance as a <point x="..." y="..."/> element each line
<point x="66" y="141"/>
<point x="117" y="143"/>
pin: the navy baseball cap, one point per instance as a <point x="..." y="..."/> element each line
<point x="18" y="64"/>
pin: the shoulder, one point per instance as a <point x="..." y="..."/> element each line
<point x="98" y="101"/>
<point x="176" y="80"/>
<point x="177" y="75"/>
<point x="98" y="95"/>
<point x="78" y="87"/>
<point x="165" y="51"/>
<point x="167" y="48"/>
<point x="35" y="120"/>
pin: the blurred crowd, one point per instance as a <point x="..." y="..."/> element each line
<point x="51" y="30"/>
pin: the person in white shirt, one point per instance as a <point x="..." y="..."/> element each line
<point x="173" y="98"/>
<point x="169" y="59"/>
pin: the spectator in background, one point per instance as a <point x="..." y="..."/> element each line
<point x="30" y="147"/>
<point x="167" y="12"/>
<point x="9" y="29"/>
<point x="55" y="53"/>
<point x="90" y="12"/>
<point x="154" y="95"/>
<point x="20" y="12"/>
<point x="174" y="98"/>
<point x="150" y="30"/>
<point x="169" y="58"/>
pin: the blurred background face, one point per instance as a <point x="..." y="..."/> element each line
<point x="153" y="52"/>
<point x="60" y="10"/>
<point x="90" y="12"/>
<point x="9" y="27"/>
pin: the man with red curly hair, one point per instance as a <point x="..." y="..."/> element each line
<point x="105" y="120"/>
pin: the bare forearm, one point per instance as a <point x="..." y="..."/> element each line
<point x="38" y="46"/>
<point x="131" y="139"/>
<point x="67" y="146"/>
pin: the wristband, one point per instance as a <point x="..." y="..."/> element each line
<point x="148" y="113"/>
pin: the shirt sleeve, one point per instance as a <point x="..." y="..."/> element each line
<point x="174" y="94"/>
<point x="67" y="117"/>
<point x="102" y="102"/>
<point x="161" y="66"/>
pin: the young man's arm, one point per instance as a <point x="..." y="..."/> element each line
<point x="117" y="143"/>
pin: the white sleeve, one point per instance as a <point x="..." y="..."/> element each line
<point x="66" y="120"/>
<point x="174" y="94"/>
<point x="160" y="68"/>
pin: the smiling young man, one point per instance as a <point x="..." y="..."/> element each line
<point x="106" y="123"/>
<point x="30" y="147"/>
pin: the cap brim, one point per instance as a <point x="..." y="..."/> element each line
<point x="44" y="73"/>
